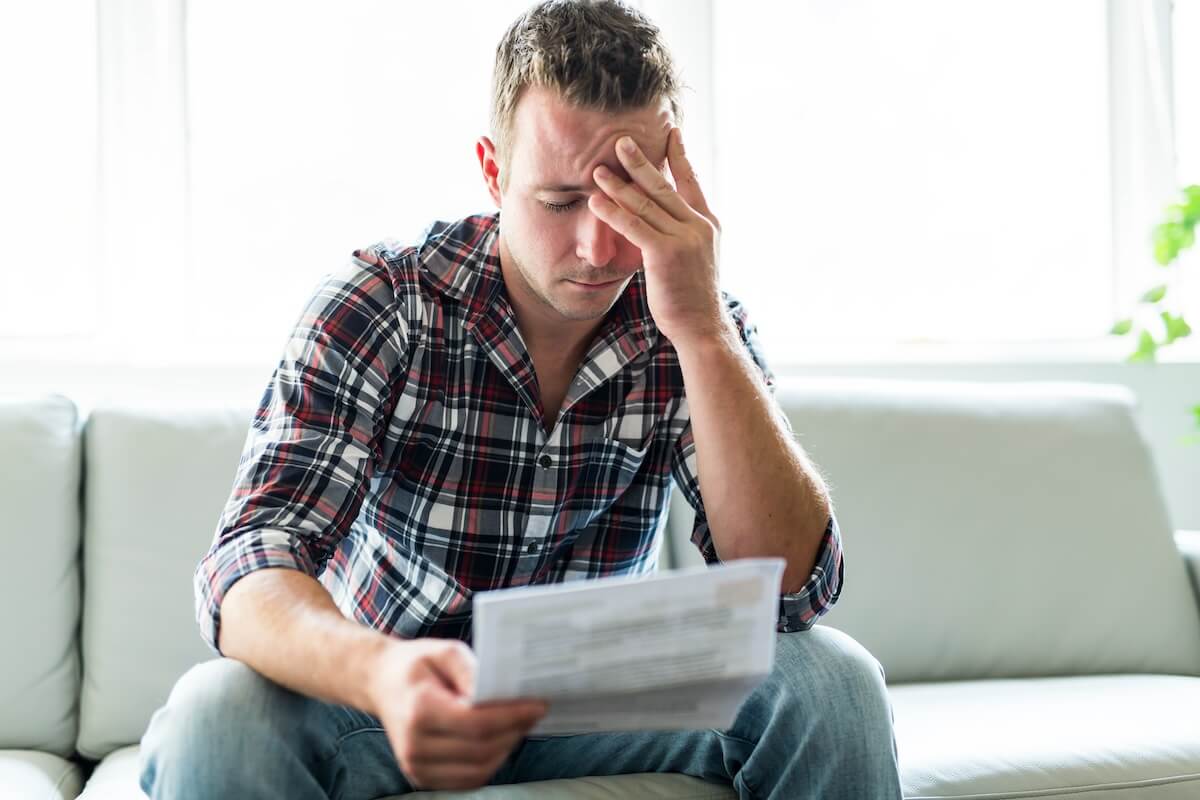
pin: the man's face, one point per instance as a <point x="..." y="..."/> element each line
<point x="560" y="262"/>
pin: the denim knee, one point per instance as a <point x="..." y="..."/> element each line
<point x="221" y="718"/>
<point x="826" y="674"/>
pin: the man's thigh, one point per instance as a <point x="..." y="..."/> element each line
<point x="818" y="679"/>
<point x="706" y="754"/>
<point x="227" y="731"/>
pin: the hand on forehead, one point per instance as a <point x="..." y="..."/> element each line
<point x="558" y="145"/>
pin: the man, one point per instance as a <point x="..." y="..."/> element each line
<point x="506" y="403"/>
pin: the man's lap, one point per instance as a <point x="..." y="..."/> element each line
<point x="350" y="750"/>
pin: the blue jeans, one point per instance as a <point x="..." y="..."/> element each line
<point x="820" y="726"/>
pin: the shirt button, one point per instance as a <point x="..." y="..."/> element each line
<point x="545" y="461"/>
<point x="532" y="548"/>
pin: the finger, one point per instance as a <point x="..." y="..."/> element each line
<point x="653" y="182"/>
<point x="441" y="748"/>
<point x="632" y="227"/>
<point x="634" y="200"/>
<point x="452" y="777"/>
<point x="686" y="181"/>
<point x="455" y="716"/>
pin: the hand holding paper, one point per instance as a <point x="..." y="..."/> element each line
<point x="677" y="651"/>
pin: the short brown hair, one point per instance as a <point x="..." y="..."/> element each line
<point x="596" y="54"/>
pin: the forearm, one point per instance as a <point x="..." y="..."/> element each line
<point x="762" y="495"/>
<point x="284" y="624"/>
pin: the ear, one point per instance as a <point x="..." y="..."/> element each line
<point x="486" y="151"/>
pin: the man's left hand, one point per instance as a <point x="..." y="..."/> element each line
<point x="676" y="232"/>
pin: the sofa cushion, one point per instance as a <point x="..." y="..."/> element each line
<point x="156" y="484"/>
<point x="39" y="535"/>
<point x="1109" y="737"/>
<point x="997" y="530"/>
<point x="116" y="778"/>
<point x="32" y="775"/>
<point x="644" y="786"/>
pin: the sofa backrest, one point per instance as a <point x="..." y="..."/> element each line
<point x="990" y="530"/>
<point x="39" y="576"/>
<point x="998" y="530"/>
<point x="156" y="483"/>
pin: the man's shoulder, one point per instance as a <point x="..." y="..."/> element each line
<point x="444" y="259"/>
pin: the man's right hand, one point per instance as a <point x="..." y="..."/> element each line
<point x="420" y="690"/>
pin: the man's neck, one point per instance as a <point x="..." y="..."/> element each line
<point x="550" y="338"/>
<point x="558" y="346"/>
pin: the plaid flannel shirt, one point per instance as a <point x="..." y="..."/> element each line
<point x="400" y="453"/>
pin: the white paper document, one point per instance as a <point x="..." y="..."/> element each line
<point x="675" y="651"/>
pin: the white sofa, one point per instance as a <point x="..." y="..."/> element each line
<point x="1008" y="560"/>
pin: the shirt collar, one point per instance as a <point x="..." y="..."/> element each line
<point x="461" y="260"/>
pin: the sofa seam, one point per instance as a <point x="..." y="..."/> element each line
<point x="1167" y="781"/>
<point x="57" y="790"/>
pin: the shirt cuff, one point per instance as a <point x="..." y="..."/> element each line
<point x="228" y="562"/>
<point x="799" y="611"/>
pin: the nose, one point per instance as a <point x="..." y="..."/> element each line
<point x="596" y="243"/>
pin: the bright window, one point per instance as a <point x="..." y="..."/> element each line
<point x="178" y="175"/>
<point x="923" y="171"/>
<point x="321" y="130"/>
<point x="48" y="169"/>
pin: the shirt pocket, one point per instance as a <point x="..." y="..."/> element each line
<point x="605" y="471"/>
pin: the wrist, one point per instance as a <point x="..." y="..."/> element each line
<point x="370" y="676"/>
<point x="717" y="336"/>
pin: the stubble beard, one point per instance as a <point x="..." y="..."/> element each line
<point x="578" y="314"/>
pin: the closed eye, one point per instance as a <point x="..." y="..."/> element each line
<point x="560" y="208"/>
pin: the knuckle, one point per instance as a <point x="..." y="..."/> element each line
<point x="479" y="729"/>
<point x="450" y="648"/>
<point x="422" y="695"/>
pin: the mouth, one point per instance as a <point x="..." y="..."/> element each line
<point x="602" y="285"/>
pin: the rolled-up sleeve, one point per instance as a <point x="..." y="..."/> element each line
<point x="798" y="611"/>
<point x="315" y="439"/>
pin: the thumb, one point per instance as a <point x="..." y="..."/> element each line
<point x="457" y="666"/>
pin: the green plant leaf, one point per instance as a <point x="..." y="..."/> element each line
<point x="1196" y="413"/>
<point x="1122" y="327"/>
<point x="1147" y="348"/>
<point x="1177" y="327"/>
<point x="1155" y="295"/>
<point x="1166" y="242"/>
<point x="1192" y="194"/>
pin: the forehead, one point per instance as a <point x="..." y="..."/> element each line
<point x="557" y="144"/>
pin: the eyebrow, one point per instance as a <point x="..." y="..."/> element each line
<point x="561" y="188"/>
<point x="567" y="188"/>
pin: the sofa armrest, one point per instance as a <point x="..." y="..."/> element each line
<point x="1188" y="543"/>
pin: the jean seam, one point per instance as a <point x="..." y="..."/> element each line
<point x="732" y="737"/>
<point x="751" y="790"/>
<point x="337" y="745"/>
<point x="741" y="773"/>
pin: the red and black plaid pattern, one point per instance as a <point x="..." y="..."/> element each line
<point x="400" y="453"/>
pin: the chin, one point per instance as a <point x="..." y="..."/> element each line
<point x="581" y="310"/>
<point x="579" y="313"/>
